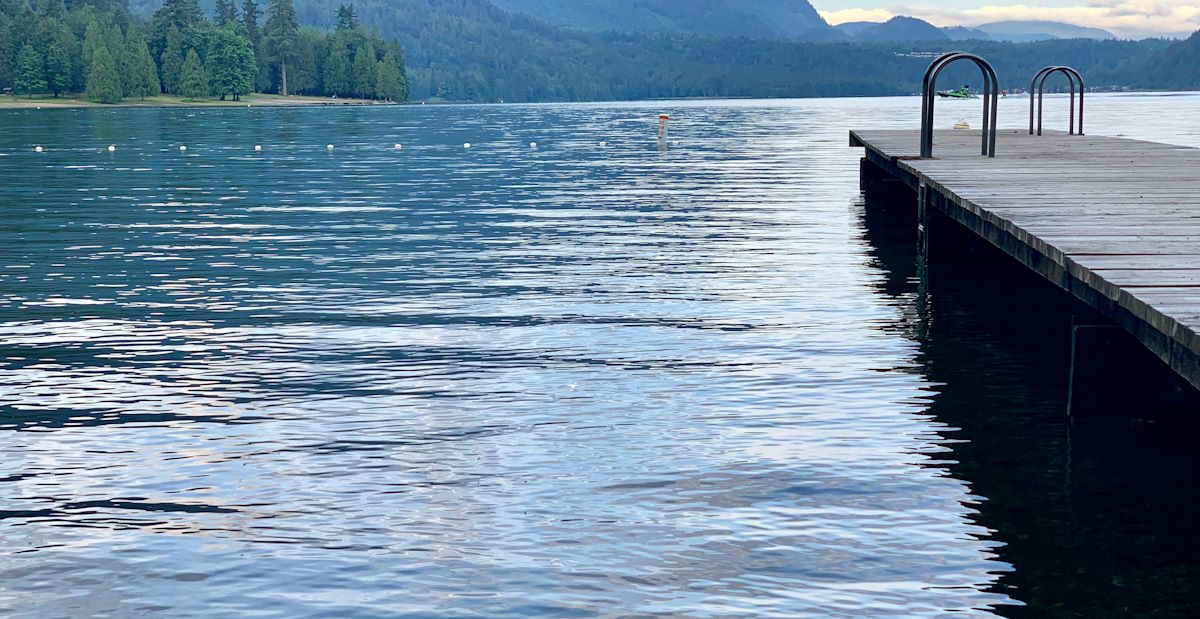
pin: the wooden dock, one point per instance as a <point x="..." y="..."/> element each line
<point x="1114" y="222"/>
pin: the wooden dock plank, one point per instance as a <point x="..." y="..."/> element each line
<point x="1116" y="222"/>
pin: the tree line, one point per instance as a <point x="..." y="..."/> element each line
<point x="99" y="49"/>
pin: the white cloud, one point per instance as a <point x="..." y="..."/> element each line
<point x="1126" y="18"/>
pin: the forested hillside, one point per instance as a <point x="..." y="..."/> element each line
<point x="472" y="50"/>
<point x="101" y="50"/>
<point x="751" y="18"/>
<point x="1176" y="67"/>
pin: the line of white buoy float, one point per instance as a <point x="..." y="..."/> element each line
<point x="329" y="147"/>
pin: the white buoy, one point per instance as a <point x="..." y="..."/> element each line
<point x="467" y="145"/>
<point x="37" y="149"/>
<point x="182" y="149"/>
<point x="533" y="145"/>
<point x="398" y="147"/>
<point x="329" y="147"/>
<point x="257" y="148"/>
<point x="603" y="144"/>
<point x="112" y="149"/>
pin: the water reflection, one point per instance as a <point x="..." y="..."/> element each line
<point x="498" y="382"/>
<point x="1096" y="518"/>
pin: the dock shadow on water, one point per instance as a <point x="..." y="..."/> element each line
<point x="1096" y="518"/>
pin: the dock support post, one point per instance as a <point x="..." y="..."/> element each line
<point x="881" y="186"/>
<point x="1113" y="376"/>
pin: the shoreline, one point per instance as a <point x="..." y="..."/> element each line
<point x="168" y="101"/>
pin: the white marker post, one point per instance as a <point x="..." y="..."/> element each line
<point x="662" y="130"/>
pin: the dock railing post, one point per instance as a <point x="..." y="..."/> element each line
<point x="991" y="101"/>
<point x="1037" y="90"/>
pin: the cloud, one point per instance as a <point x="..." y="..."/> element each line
<point x="1126" y="18"/>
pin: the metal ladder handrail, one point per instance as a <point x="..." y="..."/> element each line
<point x="1038" y="86"/>
<point x="991" y="90"/>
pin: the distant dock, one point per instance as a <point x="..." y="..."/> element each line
<point x="1113" y="222"/>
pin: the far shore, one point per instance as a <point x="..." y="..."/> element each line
<point x="253" y="100"/>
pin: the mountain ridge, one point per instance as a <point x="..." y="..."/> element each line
<point x="750" y="18"/>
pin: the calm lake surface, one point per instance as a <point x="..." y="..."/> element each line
<point x="576" y="380"/>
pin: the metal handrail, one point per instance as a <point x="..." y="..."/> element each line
<point x="991" y="91"/>
<point x="1039" y="86"/>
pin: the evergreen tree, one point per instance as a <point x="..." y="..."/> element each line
<point x="389" y="83"/>
<point x="337" y="71"/>
<point x="123" y="55"/>
<point x="231" y="63"/>
<point x="347" y="18"/>
<point x="143" y="82"/>
<point x="303" y="75"/>
<point x="103" y="83"/>
<point x="172" y="61"/>
<point x="178" y="13"/>
<point x="93" y="39"/>
<point x="58" y="69"/>
<point x="6" y="50"/>
<point x="365" y="70"/>
<point x="29" y="78"/>
<point x="227" y="13"/>
<point x="250" y="15"/>
<point x="193" y="81"/>
<point x="280" y="35"/>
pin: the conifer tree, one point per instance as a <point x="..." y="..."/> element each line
<point x="280" y="35"/>
<point x="226" y="13"/>
<point x="122" y="52"/>
<point x="337" y="70"/>
<point x="58" y="69"/>
<point x="93" y="38"/>
<point x="6" y="50"/>
<point x="172" y="61"/>
<point x="193" y="81"/>
<point x="179" y="13"/>
<point x="388" y="83"/>
<point x="29" y="78"/>
<point x="143" y="81"/>
<point x="250" y="15"/>
<point x="365" y="70"/>
<point x="347" y="18"/>
<point x="103" y="83"/>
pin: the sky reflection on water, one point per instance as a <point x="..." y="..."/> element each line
<point x="571" y="381"/>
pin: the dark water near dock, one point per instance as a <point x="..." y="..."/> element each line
<point x="576" y="380"/>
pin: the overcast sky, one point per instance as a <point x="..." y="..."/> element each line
<point x="1126" y="18"/>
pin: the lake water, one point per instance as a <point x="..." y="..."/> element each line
<point x="577" y="380"/>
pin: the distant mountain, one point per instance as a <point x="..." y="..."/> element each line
<point x="962" y="33"/>
<point x="1026" y="31"/>
<point x="902" y="29"/>
<point x="1176" y="67"/>
<point x="855" y="28"/>
<point x="751" y="18"/>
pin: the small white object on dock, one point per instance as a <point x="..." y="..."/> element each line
<point x="112" y="149"/>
